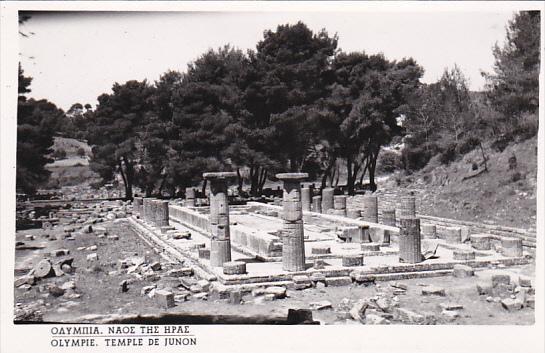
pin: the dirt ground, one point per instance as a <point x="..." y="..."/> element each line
<point x="97" y="287"/>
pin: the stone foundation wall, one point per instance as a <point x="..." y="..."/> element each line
<point x="250" y="241"/>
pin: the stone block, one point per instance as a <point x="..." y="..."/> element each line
<point x="433" y="290"/>
<point x="463" y="255"/>
<point x="462" y="271"/>
<point x="338" y="281"/>
<point x="500" y="278"/>
<point x="512" y="304"/>
<point x="164" y="298"/>
<point x="234" y="268"/>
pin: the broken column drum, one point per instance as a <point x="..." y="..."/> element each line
<point x="146" y="208"/>
<point x="154" y="204"/>
<point x="137" y="205"/>
<point x="408" y="207"/>
<point x="370" y="209"/>
<point x="389" y="217"/>
<point x="293" y="242"/>
<point x="327" y="199"/>
<point x="305" y="199"/>
<point x="409" y="240"/>
<point x="161" y="213"/>
<point x="220" y="245"/>
<point x="317" y="204"/>
<point x="190" y="197"/>
<point x="339" y="205"/>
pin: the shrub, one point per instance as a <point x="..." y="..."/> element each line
<point x="449" y="154"/>
<point x="468" y="145"/>
<point x="415" y="158"/>
<point x="388" y="162"/>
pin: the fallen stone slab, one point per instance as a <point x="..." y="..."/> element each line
<point x="450" y="315"/>
<point x="321" y="305"/>
<point x="338" y="281"/>
<point x="301" y="282"/>
<point x="276" y="291"/>
<point x="373" y="319"/>
<point x="27" y="279"/>
<point x="433" y="290"/>
<point x="180" y="272"/>
<point x="512" y="304"/>
<point x="92" y="257"/>
<point x="451" y="306"/>
<point x="408" y="316"/>
<point x="357" y="312"/>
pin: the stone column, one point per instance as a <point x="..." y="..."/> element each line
<point x="220" y="246"/>
<point x="161" y="213"/>
<point x="293" y="248"/>
<point x="511" y="247"/>
<point x="146" y="208"/>
<point x="389" y="217"/>
<point x="370" y="209"/>
<point x="317" y="204"/>
<point x="305" y="199"/>
<point x="137" y="205"/>
<point x="339" y="205"/>
<point x="327" y="199"/>
<point x="408" y="207"/>
<point x="409" y="240"/>
<point x="189" y="197"/>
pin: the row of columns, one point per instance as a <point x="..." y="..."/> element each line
<point x="152" y="210"/>
<point x="295" y="200"/>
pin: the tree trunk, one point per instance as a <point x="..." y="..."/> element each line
<point x="254" y="181"/>
<point x="240" y="181"/>
<point x="372" y="167"/>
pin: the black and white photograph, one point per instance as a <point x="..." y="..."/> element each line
<point x="286" y="165"/>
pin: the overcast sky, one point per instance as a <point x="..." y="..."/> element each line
<point x="74" y="57"/>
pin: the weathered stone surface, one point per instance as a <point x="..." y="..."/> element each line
<point x="408" y="316"/>
<point x="321" y="305"/>
<point x="43" y="269"/>
<point x="484" y="289"/>
<point x="433" y="290"/>
<point x="352" y="260"/>
<point x="164" y="298"/>
<point x="357" y="312"/>
<point x="318" y="264"/>
<point x="373" y="319"/>
<point x="124" y="286"/>
<point x="480" y="241"/>
<point x="276" y="291"/>
<point x="338" y="281"/>
<point x="462" y="271"/>
<point x="500" y="278"/>
<point x="27" y="279"/>
<point x="321" y="249"/>
<point x="235" y="297"/>
<point x="464" y="255"/>
<point x="525" y="281"/>
<point x="92" y="257"/>
<point x="512" y="304"/>
<point x="451" y="306"/>
<point x="234" y="268"/>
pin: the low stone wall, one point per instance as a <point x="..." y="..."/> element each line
<point x="253" y="242"/>
<point x="528" y="239"/>
<point x="375" y="230"/>
<point x="389" y="200"/>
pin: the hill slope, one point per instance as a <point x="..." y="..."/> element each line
<point x="501" y="195"/>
